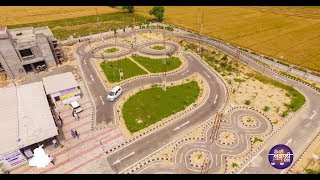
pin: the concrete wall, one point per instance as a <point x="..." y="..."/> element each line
<point x="45" y="48"/>
<point x="9" y="57"/>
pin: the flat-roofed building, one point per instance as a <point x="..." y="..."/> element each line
<point x="62" y="88"/>
<point x="26" y="119"/>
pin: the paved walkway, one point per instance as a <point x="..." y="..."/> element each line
<point x="83" y="155"/>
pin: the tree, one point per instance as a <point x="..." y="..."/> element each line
<point x="130" y="8"/>
<point x="158" y="12"/>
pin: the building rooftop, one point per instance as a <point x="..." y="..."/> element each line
<point x="59" y="82"/>
<point x="25" y="115"/>
<point x="44" y="30"/>
<point x="23" y="35"/>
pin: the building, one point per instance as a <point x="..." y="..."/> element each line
<point x="60" y="92"/>
<point x="26" y="50"/>
<point x="26" y="120"/>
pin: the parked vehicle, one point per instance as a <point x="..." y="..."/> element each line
<point x="114" y="94"/>
<point x="75" y="106"/>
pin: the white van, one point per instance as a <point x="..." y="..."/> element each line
<point x="115" y="92"/>
<point x="75" y="106"/>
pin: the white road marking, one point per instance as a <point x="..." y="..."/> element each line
<point x="185" y="72"/>
<point x="207" y="74"/>
<point x="180" y="126"/>
<point x="91" y="77"/>
<point x="289" y="141"/>
<point x="215" y="100"/>
<point x="119" y="160"/>
<point x="216" y="159"/>
<point x="201" y="145"/>
<point x="190" y="58"/>
<point x="241" y="138"/>
<point x="279" y="78"/>
<point x="104" y="85"/>
<point x="314" y="113"/>
<point x="85" y="62"/>
<point x="250" y="160"/>
<point x="307" y="125"/>
<point x="101" y="100"/>
<point x="181" y="158"/>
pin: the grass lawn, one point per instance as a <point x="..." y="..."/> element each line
<point x="130" y="69"/>
<point x="289" y="32"/>
<point x="81" y="26"/>
<point x="111" y="50"/>
<point x="152" y="105"/>
<point x="156" y="65"/>
<point x="157" y="47"/>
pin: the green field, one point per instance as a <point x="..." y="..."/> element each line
<point x="130" y="69"/>
<point x="152" y="105"/>
<point x="156" y="65"/>
<point x="111" y="50"/>
<point x="157" y="47"/>
<point x="291" y="34"/>
<point x="82" y="26"/>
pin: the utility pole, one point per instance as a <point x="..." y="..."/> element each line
<point x="201" y="32"/>
<point x="164" y="63"/>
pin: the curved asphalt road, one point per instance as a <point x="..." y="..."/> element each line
<point x="301" y="128"/>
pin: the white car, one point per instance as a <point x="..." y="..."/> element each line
<point x="115" y="92"/>
<point x="75" y="106"/>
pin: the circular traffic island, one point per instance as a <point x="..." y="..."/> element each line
<point x="249" y="121"/>
<point x="157" y="47"/>
<point x="227" y="137"/>
<point x="154" y="104"/>
<point x="197" y="158"/>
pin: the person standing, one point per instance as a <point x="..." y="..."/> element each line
<point x="54" y="141"/>
<point x="73" y="134"/>
<point x="76" y="133"/>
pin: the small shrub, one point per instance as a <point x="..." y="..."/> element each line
<point x="247" y="102"/>
<point x="266" y="108"/>
<point x="234" y="165"/>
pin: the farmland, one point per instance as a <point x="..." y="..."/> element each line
<point x="287" y="33"/>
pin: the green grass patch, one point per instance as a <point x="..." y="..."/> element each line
<point x="256" y="139"/>
<point x="297" y="99"/>
<point x="239" y="80"/>
<point x="85" y="25"/>
<point x="111" y="50"/>
<point x="157" y="47"/>
<point x="234" y="165"/>
<point x="152" y="105"/>
<point x="156" y="65"/>
<point x="129" y="68"/>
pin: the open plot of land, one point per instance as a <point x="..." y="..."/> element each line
<point x="81" y="26"/>
<point x="287" y="33"/>
<point x="129" y="68"/>
<point x="151" y="105"/>
<point x="156" y="65"/>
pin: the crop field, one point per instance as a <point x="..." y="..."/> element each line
<point x="13" y="15"/>
<point x="85" y="25"/>
<point x="289" y="34"/>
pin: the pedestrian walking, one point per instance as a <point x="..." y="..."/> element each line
<point x="76" y="133"/>
<point x="73" y="134"/>
<point x="51" y="160"/>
